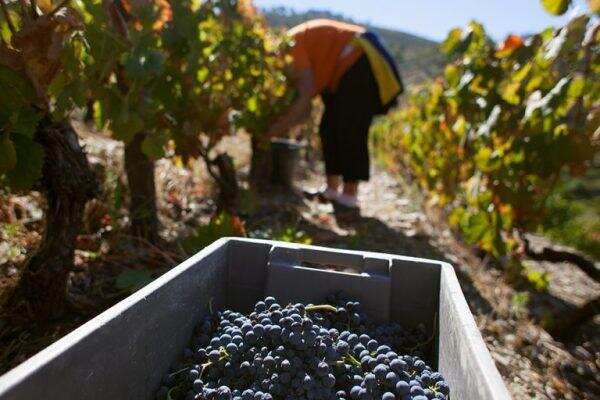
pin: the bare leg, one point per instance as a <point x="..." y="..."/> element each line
<point x="349" y="196"/>
<point x="351" y="188"/>
<point x="334" y="182"/>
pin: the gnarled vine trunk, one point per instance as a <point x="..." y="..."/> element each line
<point x="67" y="183"/>
<point x="142" y="190"/>
<point x="261" y="163"/>
<point x="229" y="188"/>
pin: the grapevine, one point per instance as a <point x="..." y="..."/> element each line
<point x="182" y="82"/>
<point x="490" y="140"/>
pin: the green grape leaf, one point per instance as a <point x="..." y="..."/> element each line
<point x="154" y="62"/>
<point x="25" y="122"/>
<point x="8" y="154"/>
<point x="154" y="145"/>
<point x="474" y="226"/>
<point x="15" y="89"/>
<point x="556" y="7"/>
<point x="30" y="160"/>
<point x="127" y="126"/>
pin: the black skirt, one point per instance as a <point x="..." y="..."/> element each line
<point x="345" y="124"/>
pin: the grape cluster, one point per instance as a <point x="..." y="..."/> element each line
<point x="286" y="353"/>
<point x="349" y="315"/>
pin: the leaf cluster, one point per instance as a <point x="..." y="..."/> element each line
<point x="39" y="51"/>
<point x="488" y="140"/>
<point x="181" y="72"/>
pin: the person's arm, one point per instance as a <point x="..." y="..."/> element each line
<point x="300" y="110"/>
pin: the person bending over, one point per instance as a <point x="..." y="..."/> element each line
<point x="356" y="78"/>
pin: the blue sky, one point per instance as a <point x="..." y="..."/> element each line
<point x="434" y="18"/>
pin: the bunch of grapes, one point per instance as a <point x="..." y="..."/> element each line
<point x="349" y="316"/>
<point x="288" y="353"/>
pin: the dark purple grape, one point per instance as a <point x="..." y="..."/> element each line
<point x="388" y="396"/>
<point x="402" y="388"/>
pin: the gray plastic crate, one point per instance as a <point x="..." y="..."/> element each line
<point x="124" y="352"/>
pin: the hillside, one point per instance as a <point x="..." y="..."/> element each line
<point x="418" y="58"/>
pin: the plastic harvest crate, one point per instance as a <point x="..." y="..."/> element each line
<point x="124" y="352"/>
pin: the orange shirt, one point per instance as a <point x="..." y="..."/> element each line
<point x="322" y="46"/>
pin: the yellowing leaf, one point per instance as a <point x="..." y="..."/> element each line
<point x="178" y="162"/>
<point x="556" y="7"/>
<point x="45" y="5"/>
<point x="452" y="75"/>
<point x="252" y="104"/>
<point x="452" y="41"/>
<point x="483" y="155"/>
<point x="576" y="87"/>
<point x="508" y="91"/>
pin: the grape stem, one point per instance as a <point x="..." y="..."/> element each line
<point x="210" y="306"/>
<point x="224" y="352"/>
<point x="225" y="355"/>
<point x="322" y="307"/>
<point x="178" y="372"/>
<point x="351" y="359"/>
<point x="169" y="397"/>
<point x="429" y="340"/>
